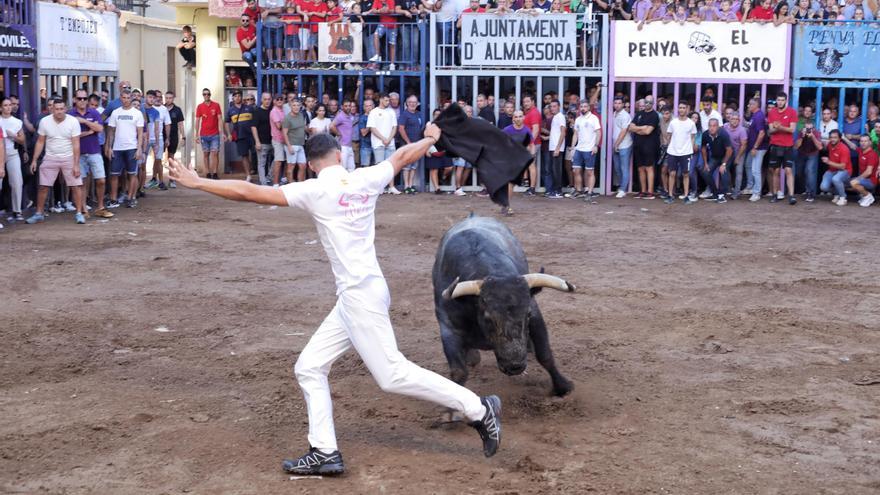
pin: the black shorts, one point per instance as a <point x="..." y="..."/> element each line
<point x="780" y="156"/>
<point x="643" y="157"/>
<point x="678" y="164"/>
<point x="172" y="145"/>
<point x="244" y="147"/>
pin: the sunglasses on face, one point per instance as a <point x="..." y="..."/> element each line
<point x="82" y="98"/>
<point x="206" y="94"/>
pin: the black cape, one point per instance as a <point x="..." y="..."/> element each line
<point x="498" y="158"/>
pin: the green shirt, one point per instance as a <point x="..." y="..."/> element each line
<point x="296" y="128"/>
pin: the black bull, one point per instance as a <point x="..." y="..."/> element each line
<point x="484" y="300"/>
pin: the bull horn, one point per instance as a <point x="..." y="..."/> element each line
<point x="457" y="289"/>
<point x="543" y="280"/>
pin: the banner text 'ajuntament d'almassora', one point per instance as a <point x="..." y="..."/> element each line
<point x="548" y="40"/>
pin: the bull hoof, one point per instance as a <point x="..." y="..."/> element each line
<point x="563" y="388"/>
<point x="473" y="358"/>
<point x="459" y="376"/>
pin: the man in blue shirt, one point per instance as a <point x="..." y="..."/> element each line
<point x="366" y="143"/>
<point x="410" y="127"/>
<point x="717" y="151"/>
<point x="239" y="119"/>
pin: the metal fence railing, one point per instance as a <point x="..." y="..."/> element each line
<point x="17" y="12"/>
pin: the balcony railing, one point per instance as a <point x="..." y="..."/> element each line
<point x="17" y="12"/>
<point x="362" y="46"/>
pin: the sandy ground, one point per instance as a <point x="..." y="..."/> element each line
<point x="715" y="349"/>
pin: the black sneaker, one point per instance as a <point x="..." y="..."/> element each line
<point x="792" y="200"/>
<point x="489" y="427"/>
<point x="315" y="462"/>
<point x="774" y="199"/>
<point x="530" y="191"/>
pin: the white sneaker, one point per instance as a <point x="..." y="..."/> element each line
<point x="620" y="194"/>
<point x="745" y="191"/>
<point x="248" y="178"/>
<point x="460" y="192"/>
<point x="840" y="202"/>
<point x="706" y="194"/>
<point x="835" y="198"/>
<point x="275" y="186"/>
<point x="866" y="201"/>
<point x="682" y="196"/>
<point x="755" y="197"/>
<point x="68" y="206"/>
<point x="376" y="58"/>
<point x="393" y="190"/>
<point x="392" y="67"/>
<point x="780" y="195"/>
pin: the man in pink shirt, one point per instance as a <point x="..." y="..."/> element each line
<point x="781" y="125"/>
<point x="276" y="118"/>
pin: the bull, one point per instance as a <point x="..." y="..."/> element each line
<point x="484" y="299"/>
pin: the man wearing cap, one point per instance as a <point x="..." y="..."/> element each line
<point x="342" y="205"/>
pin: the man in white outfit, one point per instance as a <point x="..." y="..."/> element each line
<point x="342" y="205"/>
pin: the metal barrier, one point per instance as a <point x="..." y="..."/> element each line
<point x="17" y="12"/>
<point x="513" y="55"/>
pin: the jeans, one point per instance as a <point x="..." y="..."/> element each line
<point x="837" y="179"/>
<point x="263" y="161"/>
<point x="447" y="40"/>
<point x="738" y="184"/>
<point x="755" y="163"/>
<point x="696" y="168"/>
<point x="366" y="156"/>
<point x="551" y="172"/>
<point x="409" y="36"/>
<point x="621" y="163"/>
<point x="724" y="179"/>
<point x="250" y="57"/>
<point x="808" y="167"/>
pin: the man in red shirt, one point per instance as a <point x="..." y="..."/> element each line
<point x="532" y="121"/>
<point x="247" y="41"/>
<point x="839" y="168"/>
<point x="866" y="182"/>
<point x="209" y="115"/>
<point x="313" y="12"/>
<point x="386" y="26"/>
<point x="253" y="11"/>
<point x="782" y="122"/>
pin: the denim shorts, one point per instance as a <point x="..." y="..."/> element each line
<point x="459" y="162"/>
<point x="866" y="183"/>
<point x="291" y="41"/>
<point x="124" y="160"/>
<point x="583" y="159"/>
<point x="273" y="33"/>
<point x="392" y="34"/>
<point x="158" y="147"/>
<point x="412" y="166"/>
<point x="210" y="143"/>
<point x="366" y="156"/>
<point x="92" y="164"/>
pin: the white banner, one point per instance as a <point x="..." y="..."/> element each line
<point x="709" y="50"/>
<point x="519" y="40"/>
<point x="76" y="40"/>
<point x="340" y="42"/>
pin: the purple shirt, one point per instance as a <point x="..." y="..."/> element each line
<point x="344" y="125"/>
<point x="758" y="124"/>
<point x="88" y="145"/>
<point x="521" y="136"/>
<point x="641" y="9"/>
<point x="738" y="136"/>
<point x="721" y="16"/>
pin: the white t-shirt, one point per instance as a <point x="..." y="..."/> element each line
<point x="59" y="136"/>
<point x="681" y="134"/>
<point x="450" y="10"/>
<point x="126" y="123"/>
<point x="587" y="128"/>
<point x="622" y="119"/>
<point x="556" y="134"/>
<point x="383" y="120"/>
<point x="164" y="119"/>
<point x="9" y="124"/>
<point x="704" y="119"/>
<point x="342" y="205"/>
<point x="825" y="128"/>
<point x="320" y="125"/>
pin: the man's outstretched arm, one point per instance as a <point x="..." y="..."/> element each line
<point x="415" y="150"/>
<point x="236" y="190"/>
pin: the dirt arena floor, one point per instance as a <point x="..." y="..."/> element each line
<point x="715" y="349"/>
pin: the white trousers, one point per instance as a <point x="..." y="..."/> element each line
<point x="348" y="158"/>
<point x="13" y="171"/>
<point x="358" y="320"/>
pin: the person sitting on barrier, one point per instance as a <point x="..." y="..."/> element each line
<point x="839" y="168"/>
<point x="187" y="47"/>
<point x="866" y="182"/>
<point x="246" y="36"/>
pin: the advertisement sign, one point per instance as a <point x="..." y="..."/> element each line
<point x="836" y="51"/>
<point x="340" y="42"/>
<point x="17" y="42"/>
<point x="708" y="50"/>
<point x="75" y="39"/>
<point x="548" y="40"/>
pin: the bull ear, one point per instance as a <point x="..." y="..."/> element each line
<point x="537" y="280"/>
<point x="458" y="289"/>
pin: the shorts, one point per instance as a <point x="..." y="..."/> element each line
<point x="392" y="34"/>
<point x="643" y="157"/>
<point x="780" y="155"/>
<point x="158" y="148"/>
<point x="92" y="164"/>
<point x="244" y="147"/>
<point x="279" y="150"/>
<point x="50" y="168"/>
<point x="459" y="162"/>
<point x="366" y="156"/>
<point x="210" y="143"/>
<point x="291" y="41"/>
<point x="411" y="166"/>
<point x="173" y="141"/>
<point x="124" y="160"/>
<point x="304" y="38"/>
<point x="298" y="155"/>
<point x="866" y="183"/>
<point x="583" y="159"/>
<point x="678" y="164"/>
<point x="272" y="34"/>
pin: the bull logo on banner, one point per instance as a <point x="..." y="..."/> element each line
<point x="340" y="42"/>
<point x="829" y="60"/>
